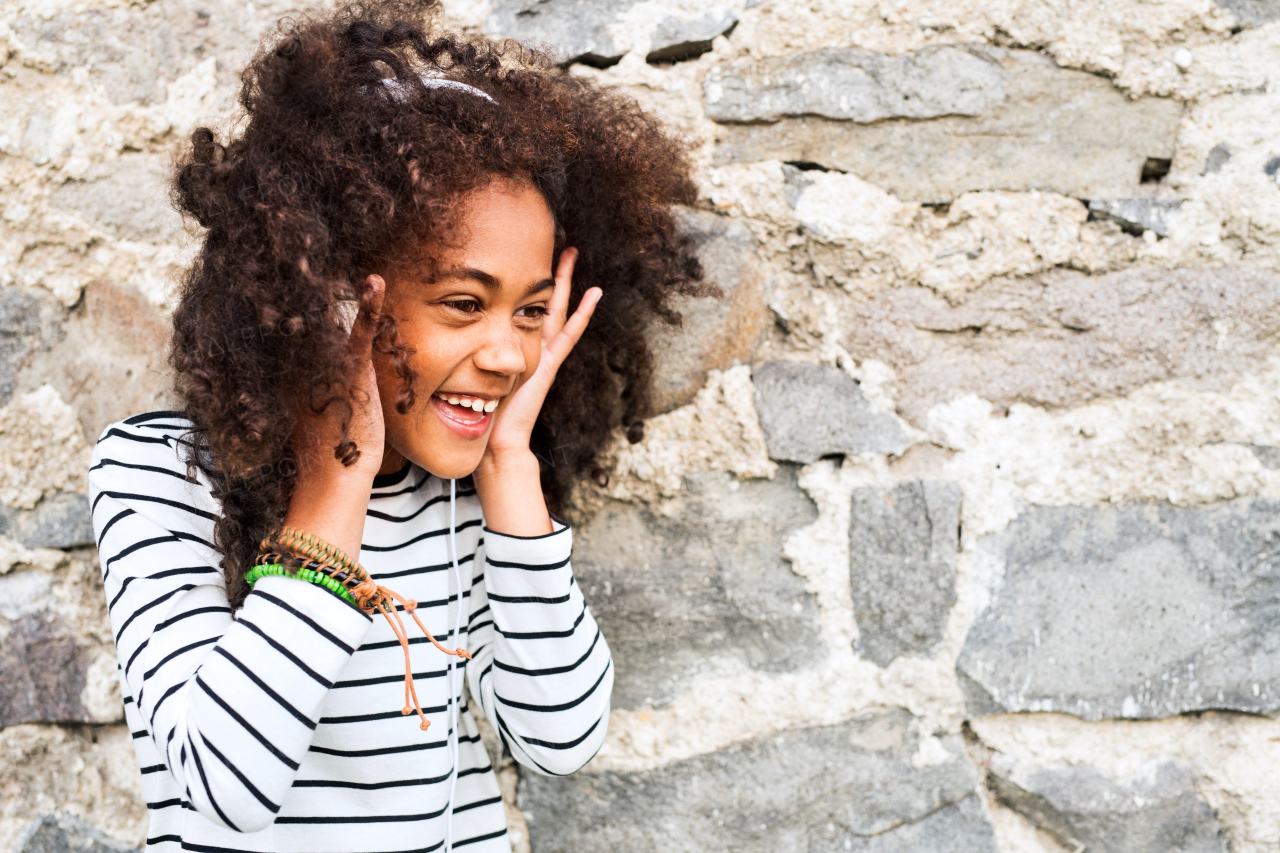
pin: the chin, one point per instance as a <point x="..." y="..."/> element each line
<point x="452" y="472"/>
<point x="447" y="466"/>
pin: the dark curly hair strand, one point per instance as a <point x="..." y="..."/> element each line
<point x="348" y="164"/>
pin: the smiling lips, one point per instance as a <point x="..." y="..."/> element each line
<point x="466" y="414"/>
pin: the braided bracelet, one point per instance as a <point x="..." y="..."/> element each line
<point x="345" y="582"/>
<point x="327" y="564"/>
<point x="291" y="561"/>
<point x="300" y="541"/>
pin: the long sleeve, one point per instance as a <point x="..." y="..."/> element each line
<point x="541" y="667"/>
<point x="231" y="704"/>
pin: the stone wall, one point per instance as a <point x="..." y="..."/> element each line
<point x="960" y="527"/>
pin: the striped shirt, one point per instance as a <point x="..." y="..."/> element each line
<point x="279" y="728"/>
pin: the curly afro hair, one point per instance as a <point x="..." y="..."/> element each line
<point x="345" y="157"/>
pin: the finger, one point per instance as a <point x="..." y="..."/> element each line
<point x="563" y="343"/>
<point x="522" y="410"/>
<point x="559" y="306"/>
<point x="555" y="352"/>
<point x="564" y="281"/>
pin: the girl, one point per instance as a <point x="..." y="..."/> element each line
<point x="403" y="246"/>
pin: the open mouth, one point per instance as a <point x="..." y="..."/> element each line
<point x="463" y="410"/>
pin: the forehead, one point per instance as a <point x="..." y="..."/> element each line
<point x="504" y="221"/>
<point x="505" y="230"/>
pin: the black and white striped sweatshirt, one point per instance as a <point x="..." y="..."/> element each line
<point x="279" y="728"/>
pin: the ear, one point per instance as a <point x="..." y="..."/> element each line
<point x="369" y="299"/>
<point x="375" y="292"/>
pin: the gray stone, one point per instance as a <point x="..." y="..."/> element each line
<point x="1272" y="168"/>
<point x="1268" y="456"/>
<point x="129" y="200"/>
<point x="1136" y="215"/>
<point x="960" y="827"/>
<point x="25" y="312"/>
<point x="794" y="183"/>
<point x="1140" y="612"/>
<point x="855" y="85"/>
<point x="701" y="589"/>
<point x="674" y="40"/>
<point x="1218" y="157"/>
<point x="110" y="362"/>
<point x="845" y="787"/>
<point x="30" y="320"/>
<point x="60" y="521"/>
<point x="1155" y="811"/>
<point x="902" y="564"/>
<point x="577" y="30"/>
<point x="44" y="669"/>
<point x="716" y="332"/>
<point x="1252" y="13"/>
<point x="53" y="628"/>
<point x="65" y="833"/>
<point x="1064" y="338"/>
<point x="808" y="411"/>
<point x="1054" y="129"/>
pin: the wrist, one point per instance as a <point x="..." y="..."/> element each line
<point x="508" y="463"/>
<point x="509" y="486"/>
<point x="331" y="504"/>
<point x="331" y="486"/>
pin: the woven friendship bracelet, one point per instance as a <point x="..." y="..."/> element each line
<point x="328" y="566"/>
<point x="291" y="561"/>
<point x="311" y="546"/>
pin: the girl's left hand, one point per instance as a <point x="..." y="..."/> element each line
<point x="560" y="334"/>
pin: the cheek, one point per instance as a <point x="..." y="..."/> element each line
<point x="531" y="345"/>
<point x="433" y="358"/>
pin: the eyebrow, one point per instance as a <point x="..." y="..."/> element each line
<point x="488" y="282"/>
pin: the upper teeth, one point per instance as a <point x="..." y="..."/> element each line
<point x="474" y="403"/>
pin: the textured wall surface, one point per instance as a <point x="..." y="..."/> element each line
<point x="960" y="527"/>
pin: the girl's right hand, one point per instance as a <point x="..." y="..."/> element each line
<point x="330" y="499"/>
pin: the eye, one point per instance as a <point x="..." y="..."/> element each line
<point x="466" y="306"/>
<point x="532" y="312"/>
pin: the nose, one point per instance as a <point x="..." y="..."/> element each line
<point x="500" y="351"/>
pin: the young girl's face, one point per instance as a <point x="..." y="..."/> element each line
<point x="476" y="328"/>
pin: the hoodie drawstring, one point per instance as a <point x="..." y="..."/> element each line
<point x="454" y="710"/>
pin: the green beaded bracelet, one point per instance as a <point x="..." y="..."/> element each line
<point x="320" y="579"/>
<point x="335" y="579"/>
